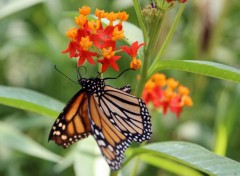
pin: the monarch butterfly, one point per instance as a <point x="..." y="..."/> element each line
<point x="113" y="116"/>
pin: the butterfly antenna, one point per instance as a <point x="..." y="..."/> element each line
<point x="65" y="75"/>
<point x="78" y="71"/>
<point x="99" y="73"/>
<point x="119" y="74"/>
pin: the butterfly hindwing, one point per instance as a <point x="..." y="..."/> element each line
<point x="118" y="118"/>
<point x="110" y="140"/>
<point x="128" y="113"/>
<point x="73" y="122"/>
<point x="126" y="89"/>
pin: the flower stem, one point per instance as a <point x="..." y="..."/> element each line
<point x="140" y="19"/>
<point x="114" y="173"/>
<point x="166" y="41"/>
<point x="145" y="37"/>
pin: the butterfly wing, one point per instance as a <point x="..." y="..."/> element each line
<point x="118" y="118"/>
<point x="127" y="112"/>
<point x="126" y="89"/>
<point x="73" y="122"/>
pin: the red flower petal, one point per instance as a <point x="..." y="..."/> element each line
<point x="112" y="62"/>
<point x="133" y="49"/>
<point x="104" y="64"/>
<point x="86" y="55"/>
<point x="72" y="48"/>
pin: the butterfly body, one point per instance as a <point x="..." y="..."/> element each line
<point x="114" y="117"/>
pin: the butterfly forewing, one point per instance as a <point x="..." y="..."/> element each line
<point x="73" y="123"/>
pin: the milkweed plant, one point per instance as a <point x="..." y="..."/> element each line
<point x="101" y="40"/>
<point x="94" y="40"/>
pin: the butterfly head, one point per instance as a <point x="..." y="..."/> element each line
<point x="92" y="85"/>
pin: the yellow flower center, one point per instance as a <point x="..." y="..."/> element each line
<point x="169" y="94"/>
<point x="172" y="83"/>
<point x="117" y="34"/>
<point x="100" y="13"/>
<point x="159" y="79"/>
<point x="71" y="33"/>
<point x="94" y="26"/>
<point x="186" y="101"/>
<point x="80" y="21"/>
<point x="111" y="17"/>
<point x="183" y="90"/>
<point x="85" y="43"/>
<point x="122" y="16"/>
<point x="85" y="10"/>
<point x="135" y="64"/>
<point x="108" y="53"/>
<point x="149" y="86"/>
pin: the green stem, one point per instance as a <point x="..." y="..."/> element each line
<point x="143" y="77"/>
<point x="168" y="38"/>
<point x="114" y="173"/>
<point x="140" y="19"/>
<point x="155" y="33"/>
<point x="145" y="36"/>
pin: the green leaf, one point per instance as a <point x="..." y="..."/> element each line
<point x="170" y="165"/>
<point x="30" y="100"/>
<point x="15" y="6"/>
<point x="207" y="68"/>
<point x="191" y="155"/>
<point x="14" y="139"/>
<point x="132" y="33"/>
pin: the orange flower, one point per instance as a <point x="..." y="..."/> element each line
<point x="135" y="64"/>
<point x="85" y="10"/>
<point x="132" y="51"/>
<point x="163" y="94"/>
<point x="109" y="59"/>
<point x="122" y="16"/>
<point x="71" y="33"/>
<point x="111" y="17"/>
<point x="81" y="21"/>
<point x="100" y="14"/>
<point x="159" y="79"/>
<point x="92" y="40"/>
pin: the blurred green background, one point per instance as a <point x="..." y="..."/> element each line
<point x="32" y="36"/>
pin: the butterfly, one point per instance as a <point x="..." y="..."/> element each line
<point x="113" y="116"/>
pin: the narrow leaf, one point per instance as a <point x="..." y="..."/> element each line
<point x="192" y="155"/>
<point x="29" y="100"/>
<point x="207" y="68"/>
<point x="16" y="5"/>
<point x="14" y="139"/>
<point x="170" y="165"/>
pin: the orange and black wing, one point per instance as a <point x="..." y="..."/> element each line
<point x="128" y="113"/>
<point x="117" y="119"/>
<point x="73" y="123"/>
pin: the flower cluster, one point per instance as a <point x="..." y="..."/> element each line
<point x="166" y="93"/>
<point x="92" y="41"/>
